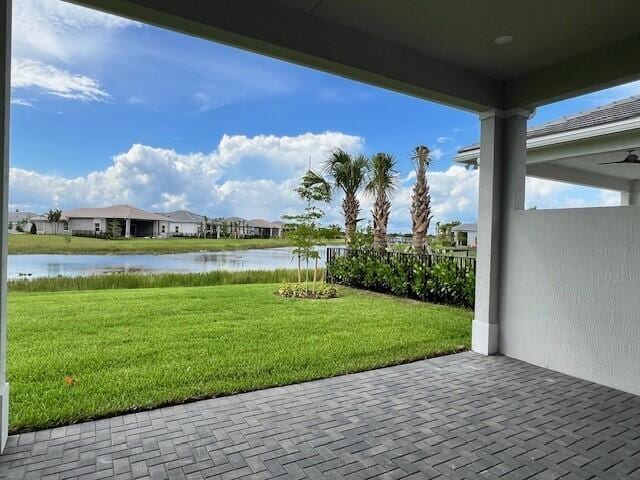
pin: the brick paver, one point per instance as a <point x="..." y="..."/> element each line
<point x="454" y="417"/>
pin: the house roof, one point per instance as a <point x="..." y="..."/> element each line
<point x="258" y="222"/>
<point x="184" y="216"/>
<point x="114" y="211"/>
<point x="465" y="227"/>
<point x="609" y="113"/>
<point x="18" y="216"/>
<point x="233" y="219"/>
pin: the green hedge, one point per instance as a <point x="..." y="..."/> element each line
<point x="433" y="279"/>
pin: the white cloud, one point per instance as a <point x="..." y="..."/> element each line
<point x="56" y="30"/>
<point x="444" y="139"/>
<point x="454" y="196"/>
<point x="159" y="179"/>
<point x="27" y="73"/>
<point x="52" y="37"/>
<point x="609" y="198"/>
<point x="21" y="101"/>
<point x="135" y="100"/>
<point x="546" y="194"/>
<point x="256" y="177"/>
<point x="436" y="154"/>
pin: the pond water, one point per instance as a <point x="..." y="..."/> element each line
<point x="33" y="266"/>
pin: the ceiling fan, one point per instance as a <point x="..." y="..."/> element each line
<point x="630" y="158"/>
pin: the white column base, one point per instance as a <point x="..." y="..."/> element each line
<point x="4" y="415"/>
<point x="484" y="337"/>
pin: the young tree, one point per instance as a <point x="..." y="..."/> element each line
<point x="382" y="181"/>
<point x="345" y="173"/>
<point x="421" y="199"/>
<point x="33" y="230"/>
<point x="304" y="232"/>
<point x="114" y="229"/>
<point x="304" y="229"/>
<point x="53" y="217"/>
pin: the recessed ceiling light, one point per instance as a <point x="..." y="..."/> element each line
<point x="503" y="39"/>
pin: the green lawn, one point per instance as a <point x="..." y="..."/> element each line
<point x="23" y="244"/>
<point x="124" y="350"/>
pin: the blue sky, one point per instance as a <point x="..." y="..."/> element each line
<point x="107" y="111"/>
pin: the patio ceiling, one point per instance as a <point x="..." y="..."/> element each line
<point x="440" y="50"/>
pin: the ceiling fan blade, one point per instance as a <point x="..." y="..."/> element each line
<point x="610" y="163"/>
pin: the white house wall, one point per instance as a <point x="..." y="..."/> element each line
<point x="85" y="224"/>
<point x="185" y="228"/>
<point x="571" y="292"/>
<point x="45" y="227"/>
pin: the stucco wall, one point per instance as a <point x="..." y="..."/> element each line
<point x="571" y="292"/>
<point x="184" y="228"/>
<point x="81" y="224"/>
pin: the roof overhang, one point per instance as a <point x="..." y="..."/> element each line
<point x="573" y="156"/>
<point x="440" y="50"/>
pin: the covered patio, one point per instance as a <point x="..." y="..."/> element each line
<point x="454" y="417"/>
<point x="541" y="299"/>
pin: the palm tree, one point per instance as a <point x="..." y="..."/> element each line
<point x="421" y="199"/>
<point x="382" y="181"/>
<point x="347" y="174"/>
<point x="53" y="217"/>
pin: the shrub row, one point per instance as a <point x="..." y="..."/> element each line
<point x="446" y="281"/>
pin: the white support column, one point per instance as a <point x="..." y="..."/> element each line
<point x="632" y="197"/>
<point x="501" y="189"/>
<point x="127" y="228"/>
<point x="5" y="92"/>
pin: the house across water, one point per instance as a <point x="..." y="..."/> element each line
<point x="127" y="221"/>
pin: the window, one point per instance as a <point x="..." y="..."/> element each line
<point x="96" y="226"/>
<point x="177" y="229"/>
<point x="164" y="229"/>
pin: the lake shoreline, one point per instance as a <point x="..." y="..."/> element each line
<point x="25" y="244"/>
<point x="35" y="266"/>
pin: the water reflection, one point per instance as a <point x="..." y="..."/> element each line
<point x="31" y="266"/>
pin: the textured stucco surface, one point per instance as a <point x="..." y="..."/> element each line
<point x="571" y="292"/>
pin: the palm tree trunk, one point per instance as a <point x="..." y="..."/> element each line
<point x="351" y="209"/>
<point x="381" y="209"/>
<point x="421" y="211"/>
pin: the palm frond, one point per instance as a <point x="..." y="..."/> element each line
<point x="315" y="186"/>
<point x="420" y="157"/>
<point x="348" y="172"/>
<point x="383" y="176"/>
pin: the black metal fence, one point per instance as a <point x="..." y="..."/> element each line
<point x="425" y="259"/>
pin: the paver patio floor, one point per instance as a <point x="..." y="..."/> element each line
<point x="459" y="416"/>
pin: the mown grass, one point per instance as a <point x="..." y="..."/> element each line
<point x="25" y="244"/>
<point x="159" y="280"/>
<point x="76" y="356"/>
